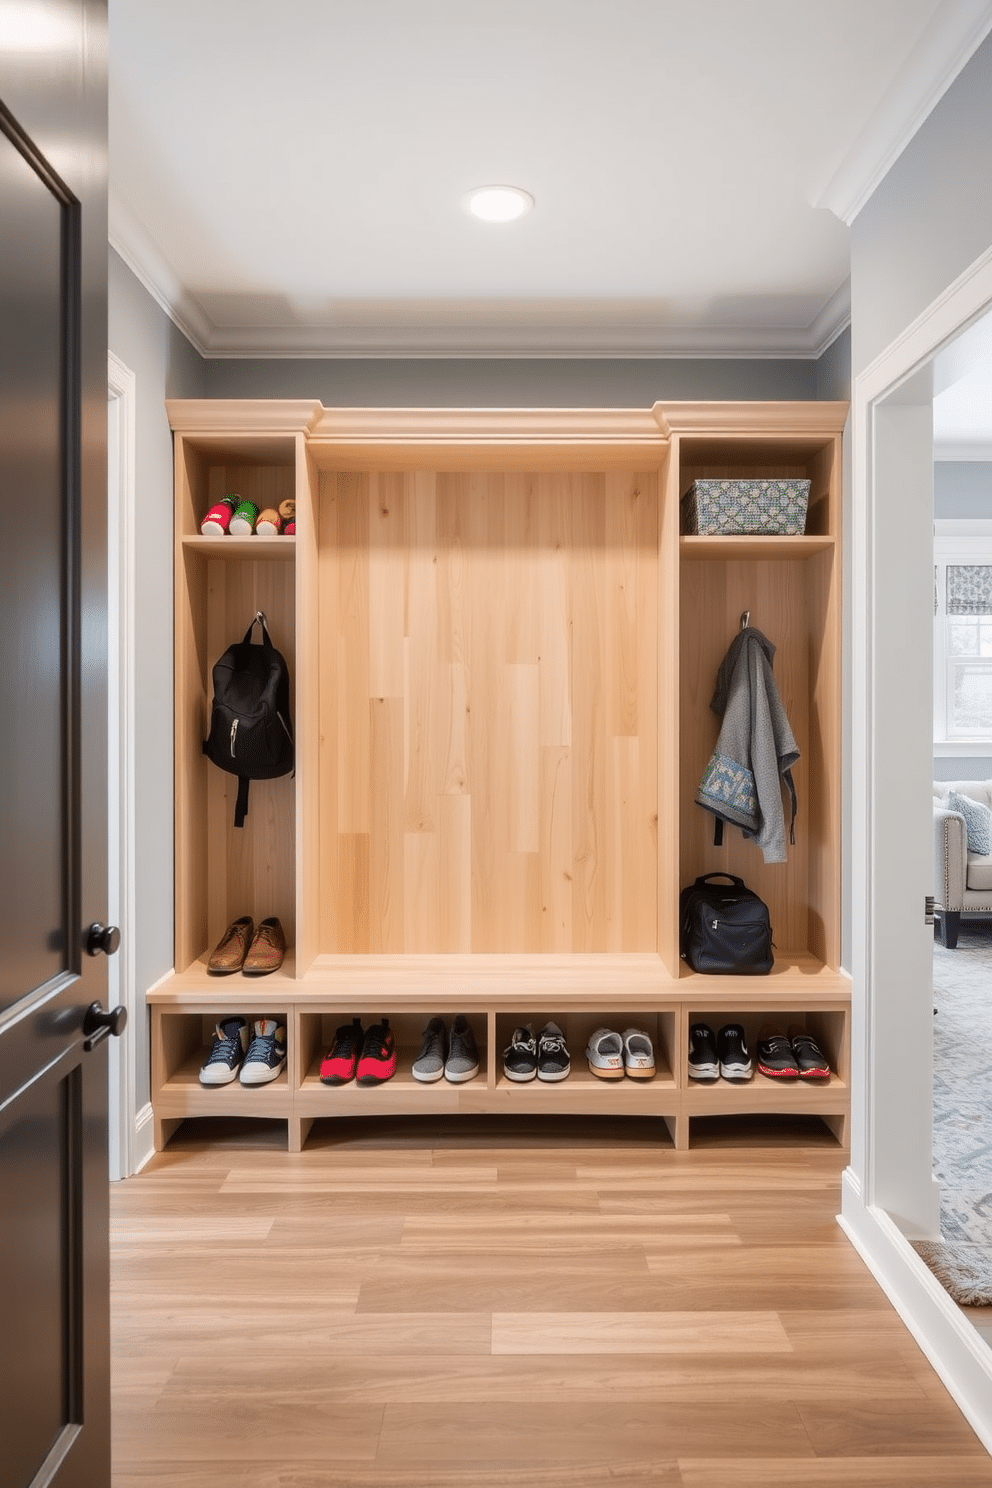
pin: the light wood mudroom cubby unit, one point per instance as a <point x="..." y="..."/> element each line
<point x="502" y="653"/>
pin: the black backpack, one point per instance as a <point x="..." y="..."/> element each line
<point x="250" y="731"/>
<point x="724" y="928"/>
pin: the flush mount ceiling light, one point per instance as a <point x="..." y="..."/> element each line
<point x="497" y="203"/>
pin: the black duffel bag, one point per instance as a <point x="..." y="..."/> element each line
<point x="724" y="928"/>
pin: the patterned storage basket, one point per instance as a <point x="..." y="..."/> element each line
<point x="745" y="508"/>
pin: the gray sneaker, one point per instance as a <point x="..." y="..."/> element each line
<point x="462" y="1062"/>
<point x="429" y="1063"/>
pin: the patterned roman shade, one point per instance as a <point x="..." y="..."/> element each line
<point x="969" y="589"/>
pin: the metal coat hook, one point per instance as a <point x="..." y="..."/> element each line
<point x="745" y="619"/>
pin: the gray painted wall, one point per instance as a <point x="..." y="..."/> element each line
<point x="164" y="364"/>
<point x="833" y="371"/>
<point x="958" y="768"/>
<point x="928" y="219"/>
<point x="962" y="488"/>
<point x="510" y="383"/>
<point x="924" y="225"/>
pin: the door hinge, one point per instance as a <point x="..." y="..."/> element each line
<point x="928" y="910"/>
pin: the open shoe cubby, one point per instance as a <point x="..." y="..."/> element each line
<point x="502" y="654"/>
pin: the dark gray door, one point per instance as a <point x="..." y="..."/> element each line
<point x="54" y="1337"/>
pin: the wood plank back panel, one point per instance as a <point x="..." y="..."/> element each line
<point x="786" y="606"/>
<point x="250" y="870"/>
<point x="489" y="711"/>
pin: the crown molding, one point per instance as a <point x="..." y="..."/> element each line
<point x="470" y="438"/>
<point x="947" y="44"/>
<point x="134" y="245"/>
<point x="241" y="416"/>
<point x="392" y="343"/>
<point x="785" y="419"/>
<point x="832" y="321"/>
<point x="629" y="429"/>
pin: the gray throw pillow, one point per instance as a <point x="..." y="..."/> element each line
<point x="977" y="821"/>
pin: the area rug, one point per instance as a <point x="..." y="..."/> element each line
<point x="962" y="1116"/>
<point x="963" y="1270"/>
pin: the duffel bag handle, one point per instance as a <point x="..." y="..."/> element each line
<point x="705" y="878"/>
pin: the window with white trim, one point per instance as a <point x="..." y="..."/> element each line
<point x="962" y="649"/>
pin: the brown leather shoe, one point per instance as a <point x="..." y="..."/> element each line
<point x="232" y="948"/>
<point x="267" y="949"/>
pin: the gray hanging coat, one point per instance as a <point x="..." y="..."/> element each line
<point x="756" y="749"/>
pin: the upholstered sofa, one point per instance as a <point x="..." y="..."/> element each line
<point x="962" y="879"/>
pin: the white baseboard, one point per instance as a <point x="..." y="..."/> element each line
<point x="144" y="1137"/>
<point x="958" y="1353"/>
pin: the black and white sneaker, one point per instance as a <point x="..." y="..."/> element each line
<point x="227" y="1052"/>
<point x="553" y="1062"/>
<point x="775" y="1056"/>
<point x="520" y="1055"/>
<point x="735" y="1058"/>
<point x="266" y="1053"/>
<point x="704" y="1061"/>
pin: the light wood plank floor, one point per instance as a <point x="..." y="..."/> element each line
<point x="473" y="1304"/>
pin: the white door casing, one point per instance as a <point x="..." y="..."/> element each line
<point x="889" y="1193"/>
<point x="130" y="1131"/>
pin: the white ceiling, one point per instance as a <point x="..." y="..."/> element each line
<point x="286" y="178"/>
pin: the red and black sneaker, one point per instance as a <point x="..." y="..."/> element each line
<point x="774" y="1054"/>
<point x="813" y="1063"/>
<point x="378" y="1058"/>
<point x="341" y="1060"/>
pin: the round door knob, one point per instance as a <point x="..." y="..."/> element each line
<point x="102" y="939"/>
<point x="99" y="1024"/>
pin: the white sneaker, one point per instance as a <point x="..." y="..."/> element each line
<point x="604" y="1052"/>
<point x="266" y="1053"/>
<point x="638" y="1054"/>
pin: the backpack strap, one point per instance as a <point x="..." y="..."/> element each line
<point x="258" y="620"/>
<point x="241" y="805"/>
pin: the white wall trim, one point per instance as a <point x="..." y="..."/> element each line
<point x="144" y="1138"/>
<point x="951" y="39"/>
<point x="960" y="304"/>
<point x="957" y="1352"/>
<point x="962" y="748"/>
<point x="121" y="771"/>
<point x="961" y="529"/>
<point x="979" y="450"/>
<point x="959" y="1355"/>
<point x="131" y="242"/>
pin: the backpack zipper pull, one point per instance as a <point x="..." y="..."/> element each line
<point x="234" y="731"/>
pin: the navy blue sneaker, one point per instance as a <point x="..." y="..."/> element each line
<point x="227" y="1052"/>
